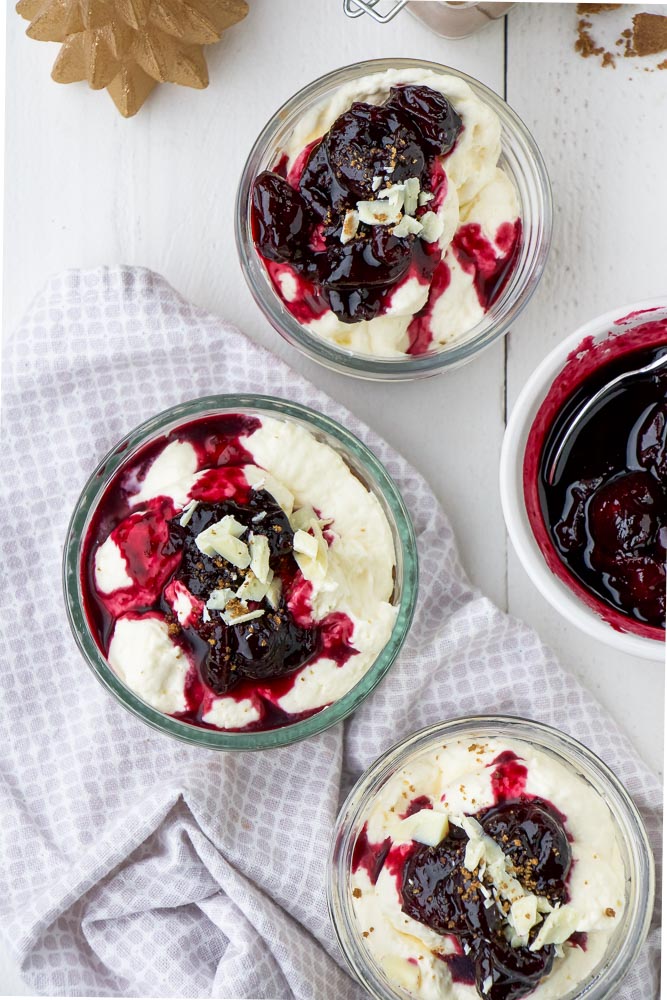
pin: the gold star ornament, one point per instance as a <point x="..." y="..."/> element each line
<point x="129" y="46"/>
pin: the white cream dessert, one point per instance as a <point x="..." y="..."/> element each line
<point x="487" y="868"/>
<point x="388" y="227"/>
<point x="241" y="573"/>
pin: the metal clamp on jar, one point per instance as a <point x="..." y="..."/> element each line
<point x="445" y="17"/>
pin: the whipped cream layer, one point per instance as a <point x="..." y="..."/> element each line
<point x="344" y="582"/>
<point x="418" y="804"/>
<point x="475" y="199"/>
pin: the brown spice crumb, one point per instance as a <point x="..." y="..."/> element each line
<point x="626" y="41"/>
<point x="236" y="607"/>
<point x="609" y="912"/>
<point x="596" y="8"/>
<point x="662" y="65"/>
<point x="608" y="60"/>
<point x="585" y="44"/>
<point x="649" y="33"/>
<point x="356" y="893"/>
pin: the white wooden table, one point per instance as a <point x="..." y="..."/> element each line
<point x="84" y="187"/>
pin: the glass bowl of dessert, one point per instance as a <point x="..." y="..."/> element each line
<point x="240" y="572"/>
<point x="393" y="218"/>
<point x="585" y="500"/>
<point x="490" y="857"/>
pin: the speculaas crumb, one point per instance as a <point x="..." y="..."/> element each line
<point x="585" y="44"/>
<point x="649" y="33"/>
<point x="596" y="8"/>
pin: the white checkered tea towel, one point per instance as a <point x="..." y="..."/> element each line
<point x="133" y="865"/>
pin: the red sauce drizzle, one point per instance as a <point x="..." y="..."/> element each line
<point x="420" y="333"/>
<point x="478" y="257"/>
<point x="579" y="940"/>
<point x="299" y="165"/>
<point x="227" y="483"/>
<point x="336" y="637"/>
<point x="416" y="805"/>
<point x="508" y="780"/>
<point x="370" y="857"/>
<point x="308" y="304"/>
<point x="439" y="186"/>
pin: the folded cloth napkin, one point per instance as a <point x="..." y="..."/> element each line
<point x="131" y="864"/>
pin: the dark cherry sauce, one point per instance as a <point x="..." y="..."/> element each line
<point x="436" y="889"/>
<point x="416" y="805"/>
<point x="607" y="509"/>
<point x="369" y="857"/>
<point x="297" y="216"/>
<point x="256" y="660"/>
<point x="461" y="968"/>
<point x="478" y="257"/>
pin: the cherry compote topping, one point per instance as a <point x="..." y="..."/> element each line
<point x="430" y="115"/>
<point x="394" y="141"/>
<point x="270" y="646"/>
<point x="203" y="574"/>
<point x="280" y="218"/>
<point x="607" y="508"/>
<point x="438" y="891"/>
<point x="371" y="141"/>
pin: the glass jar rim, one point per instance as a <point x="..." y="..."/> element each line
<point x="491" y="327"/>
<point x="608" y="974"/>
<point x="349" y="444"/>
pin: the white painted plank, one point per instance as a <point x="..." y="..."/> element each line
<point x="603" y="133"/>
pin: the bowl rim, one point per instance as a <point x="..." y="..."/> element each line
<point x="403" y="367"/>
<point x="522" y="728"/>
<point x="166" y="420"/>
<point x="555" y="591"/>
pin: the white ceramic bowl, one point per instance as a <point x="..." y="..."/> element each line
<point x="568" y="596"/>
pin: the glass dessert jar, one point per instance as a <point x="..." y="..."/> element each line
<point x="102" y="508"/>
<point x="457" y="20"/>
<point x="553" y="755"/>
<point x="521" y="162"/>
<point x="543" y="404"/>
<point x="448" y="18"/>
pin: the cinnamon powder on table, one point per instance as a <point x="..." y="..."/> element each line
<point x="595" y="8"/>
<point x="647" y="36"/>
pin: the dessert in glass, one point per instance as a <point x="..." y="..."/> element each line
<point x="241" y="572"/>
<point x="490" y="857"/>
<point x="392" y="218"/>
